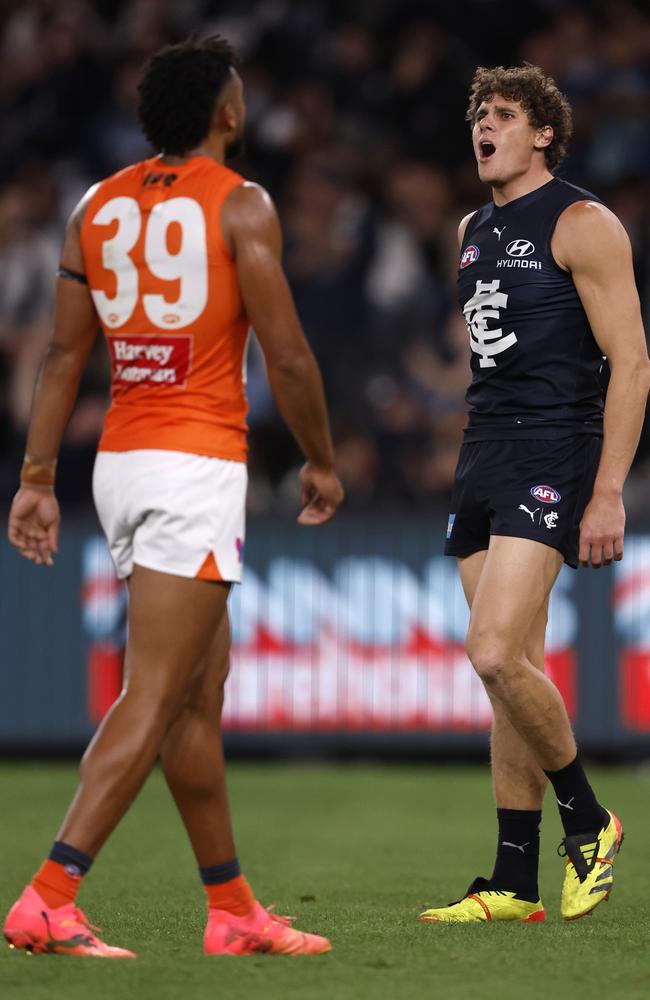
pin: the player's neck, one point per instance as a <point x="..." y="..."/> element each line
<point x="517" y="187"/>
<point x="213" y="150"/>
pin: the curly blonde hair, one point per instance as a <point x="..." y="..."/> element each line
<point x="538" y="95"/>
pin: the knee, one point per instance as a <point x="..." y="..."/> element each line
<point x="157" y="706"/>
<point x="489" y="654"/>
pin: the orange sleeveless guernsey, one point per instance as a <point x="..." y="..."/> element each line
<point x="165" y="288"/>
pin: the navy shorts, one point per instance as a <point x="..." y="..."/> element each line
<point x="534" y="489"/>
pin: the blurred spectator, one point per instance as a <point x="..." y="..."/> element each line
<point x="356" y="125"/>
<point x="117" y="137"/>
<point x="28" y="259"/>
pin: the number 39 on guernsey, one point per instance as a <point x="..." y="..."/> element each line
<point x="189" y="266"/>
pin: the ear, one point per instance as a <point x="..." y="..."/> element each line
<point x="543" y="137"/>
<point x="228" y="116"/>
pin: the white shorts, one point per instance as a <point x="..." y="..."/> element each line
<point x="172" y="512"/>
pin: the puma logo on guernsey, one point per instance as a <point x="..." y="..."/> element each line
<point x="531" y="513"/>
<point x="499" y="232"/>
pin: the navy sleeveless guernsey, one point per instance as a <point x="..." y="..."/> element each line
<point x="535" y="363"/>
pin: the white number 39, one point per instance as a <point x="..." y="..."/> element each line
<point x="189" y="266"/>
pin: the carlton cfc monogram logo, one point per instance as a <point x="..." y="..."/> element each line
<point x="472" y="253"/>
<point x="486" y="304"/>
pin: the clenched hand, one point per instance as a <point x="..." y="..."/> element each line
<point x="321" y="495"/>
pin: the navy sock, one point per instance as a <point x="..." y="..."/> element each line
<point x="70" y="857"/>
<point x="517" y="861"/>
<point x="579" y="808"/>
<point x="217" y="874"/>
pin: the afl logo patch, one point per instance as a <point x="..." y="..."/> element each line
<point x="520" y="248"/>
<point x="471" y="254"/>
<point x="545" y="494"/>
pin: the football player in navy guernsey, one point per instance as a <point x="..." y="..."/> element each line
<point x="547" y="288"/>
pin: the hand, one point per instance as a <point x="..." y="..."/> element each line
<point x="322" y="494"/>
<point x="601" y="530"/>
<point x="34" y="521"/>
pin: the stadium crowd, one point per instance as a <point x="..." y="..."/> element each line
<point x="356" y="126"/>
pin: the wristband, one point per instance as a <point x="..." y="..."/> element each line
<point x="38" y="472"/>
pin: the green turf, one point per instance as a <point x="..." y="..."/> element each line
<point x="355" y="852"/>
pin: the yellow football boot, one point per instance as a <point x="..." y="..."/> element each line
<point x="482" y="903"/>
<point x="589" y="871"/>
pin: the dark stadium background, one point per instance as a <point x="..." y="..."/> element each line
<point x="356" y="126"/>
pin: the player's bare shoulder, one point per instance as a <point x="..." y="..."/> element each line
<point x="587" y="231"/>
<point x="249" y="197"/>
<point x="71" y="255"/>
<point x="462" y="228"/>
<point x="248" y="212"/>
<point x="78" y="213"/>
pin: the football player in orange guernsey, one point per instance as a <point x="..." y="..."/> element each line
<point x="175" y="257"/>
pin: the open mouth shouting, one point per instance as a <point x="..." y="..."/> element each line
<point x="486" y="149"/>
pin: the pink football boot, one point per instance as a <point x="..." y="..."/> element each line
<point x="259" y="931"/>
<point x="61" y="930"/>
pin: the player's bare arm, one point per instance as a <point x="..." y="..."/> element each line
<point x="592" y="244"/>
<point x="252" y="232"/>
<point x="34" y="517"/>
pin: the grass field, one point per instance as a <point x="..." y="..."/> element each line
<point x="355" y="852"/>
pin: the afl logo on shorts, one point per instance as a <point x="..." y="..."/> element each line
<point x="520" y="248"/>
<point x="545" y="494"/>
<point x="471" y="254"/>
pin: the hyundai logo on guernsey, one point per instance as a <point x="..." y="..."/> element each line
<point x="545" y="494"/>
<point x="518" y="253"/>
<point x="520" y="248"/>
<point x="471" y="254"/>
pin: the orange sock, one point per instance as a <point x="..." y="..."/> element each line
<point x="235" y="896"/>
<point x="55" y="885"/>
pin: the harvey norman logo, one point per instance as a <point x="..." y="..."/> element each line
<point x="151" y="360"/>
<point x="518" y="253"/>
